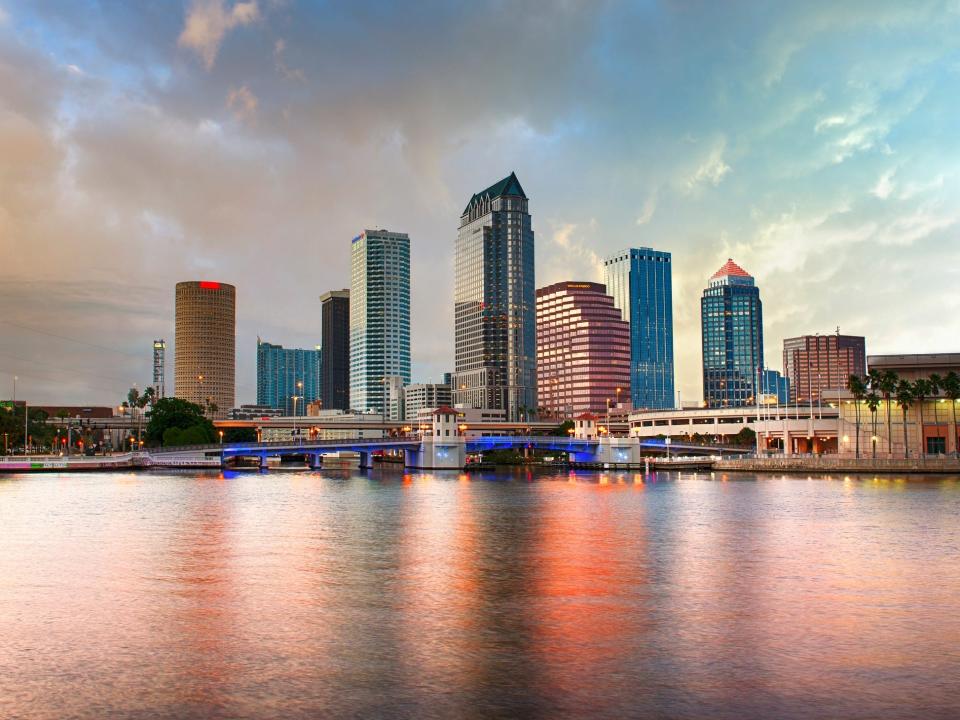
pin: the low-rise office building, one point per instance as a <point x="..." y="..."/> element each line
<point x="421" y="396"/>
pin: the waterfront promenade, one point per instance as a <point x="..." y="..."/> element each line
<point x="839" y="463"/>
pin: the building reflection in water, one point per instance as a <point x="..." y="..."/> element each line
<point x="380" y="594"/>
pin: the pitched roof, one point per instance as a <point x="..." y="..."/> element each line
<point x="445" y="410"/>
<point x="730" y="268"/>
<point x="586" y="416"/>
<point x="508" y="186"/>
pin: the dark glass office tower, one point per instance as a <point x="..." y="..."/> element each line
<point x="641" y="283"/>
<point x="495" y="305"/>
<point x="731" y="315"/>
<point x="335" y="335"/>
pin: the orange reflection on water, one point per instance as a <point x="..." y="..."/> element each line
<point x="591" y="572"/>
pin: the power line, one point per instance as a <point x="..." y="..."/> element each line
<point x="70" y="339"/>
<point x="70" y="369"/>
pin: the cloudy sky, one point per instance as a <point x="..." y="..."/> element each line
<point x="143" y="143"/>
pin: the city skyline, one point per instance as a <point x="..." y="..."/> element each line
<point x="137" y="140"/>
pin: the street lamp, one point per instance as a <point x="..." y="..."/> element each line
<point x="220" y="432"/>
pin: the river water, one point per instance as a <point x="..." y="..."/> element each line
<point x="344" y="594"/>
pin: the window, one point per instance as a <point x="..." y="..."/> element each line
<point x="936" y="445"/>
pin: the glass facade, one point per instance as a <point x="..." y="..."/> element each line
<point x="494" y="312"/>
<point x="641" y="283"/>
<point x="776" y="386"/>
<point x="583" y="350"/>
<point x="379" y="316"/>
<point x="731" y="316"/>
<point x="335" y="333"/>
<point x="279" y="370"/>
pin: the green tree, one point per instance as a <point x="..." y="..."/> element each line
<point x="921" y="390"/>
<point x="887" y="386"/>
<point x="904" y="395"/>
<point x="936" y="385"/>
<point x="873" y="402"/>
<point x="176" y="413"/>
<point x="562" y="430"/>
<point x="951" y="391"/>
<point x="746" y="438"/>
<point x="858" y="388"/>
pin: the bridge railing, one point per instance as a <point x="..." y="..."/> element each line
<point x="306" y="444"/>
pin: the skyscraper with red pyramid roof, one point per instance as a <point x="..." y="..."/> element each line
<point x="731" y="316"/>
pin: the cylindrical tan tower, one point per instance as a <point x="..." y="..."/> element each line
<point x="205" y="359"/>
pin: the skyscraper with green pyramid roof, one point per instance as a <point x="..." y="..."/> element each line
<point x="495" y="304"/>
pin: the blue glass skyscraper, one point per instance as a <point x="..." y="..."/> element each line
<point x="283" y="373"/>
<point x="640" y="281"/>
<point x="731" y="316"/>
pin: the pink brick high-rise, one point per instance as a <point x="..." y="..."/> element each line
<point x="583" y="349"/>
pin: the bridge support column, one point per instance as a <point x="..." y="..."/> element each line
<point x="364" y="459"/>
<point x="444" y="448"/>
<point x="614" y="451"/>
<point x="263" y="462"/>
<point x="314" y="461"/>
<point x="447" y="453"/>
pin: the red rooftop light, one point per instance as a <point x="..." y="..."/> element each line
<point x="209" y="285"/>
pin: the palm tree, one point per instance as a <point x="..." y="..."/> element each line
<point x="887" y="385"/>
<point x="904" y="398"/>
<point x="873" y="402"/>
<point x="936" y="384"/>
<point x="951" y="391"/>
<point x="921" y="390"/>
<point x="858" y="389"/>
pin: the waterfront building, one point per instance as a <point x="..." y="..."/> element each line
<point x="326" y="425"/>
<point x="928" y="425"/>
<point x="775" y="387"/>
<point x="255" y="412"/>
<point x="335" y="337"/>
<point x="814" y="363"/>
<point x="285" y="373"/>
<point x="583" y="350"/>
<point x="780" y="429"/>
<point x="425" y="396"/>
<point x="205" y="353"/>
<point x="159" y="368"/>
<point x="478" y="422"/>
<point x="494" y="311"/>
<point x="379" y="316"/>
<point x="731" y="317"/>
<point x="640" y="282"/>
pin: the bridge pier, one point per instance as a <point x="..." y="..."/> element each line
<point x="444" y="448"/>
<point x="313" y="459"/>
<point x="364" y="459"/>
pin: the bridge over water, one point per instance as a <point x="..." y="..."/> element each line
<point x="443" y="447"/>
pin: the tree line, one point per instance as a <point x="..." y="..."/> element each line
<point x="879" y="387"/>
